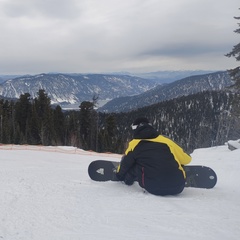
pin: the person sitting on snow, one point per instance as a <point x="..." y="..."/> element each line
<point x="154" y="161"/>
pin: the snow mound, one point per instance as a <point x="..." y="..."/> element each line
<point x="233" y="145"/>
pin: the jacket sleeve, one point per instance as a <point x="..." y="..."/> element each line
<point x="126" y="163"/>
<point x="179" y="154"/>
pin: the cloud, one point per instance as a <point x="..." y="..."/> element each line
<point x="61" y="9"/>
<point x="109" y="35"/>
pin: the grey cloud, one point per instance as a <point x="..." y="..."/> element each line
<point x="187" y="49"/>
<point x="105" y="35"/>
<point x="50" y="8"/>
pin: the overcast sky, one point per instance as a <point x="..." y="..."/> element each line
<point x="40" y="36"/>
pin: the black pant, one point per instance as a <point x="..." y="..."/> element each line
<point x="167" y="191"/>
<point x="132" y="176"/>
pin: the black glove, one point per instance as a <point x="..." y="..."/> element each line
<point x="129" y="179"/>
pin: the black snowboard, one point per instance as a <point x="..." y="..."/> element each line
<point x="197" y="176"/>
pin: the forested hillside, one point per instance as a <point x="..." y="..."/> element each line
<point x="217" y="81"/>
<point x="194" y="121"/>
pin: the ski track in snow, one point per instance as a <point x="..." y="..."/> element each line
<point x="46" y="196"/>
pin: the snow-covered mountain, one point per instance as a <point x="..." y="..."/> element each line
<point x="183" y="87"/>
<point x="75" y="88"/>
<point x="46" y="194"/>
<point x="127" y="92"/>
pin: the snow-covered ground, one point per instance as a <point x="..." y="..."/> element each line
<point x="49" y="196"/>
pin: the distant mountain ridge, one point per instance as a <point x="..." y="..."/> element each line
<point x="170" y="76"/>
<point x="127" y="92"/>
<point x="183" y="87"/>
<point x="70" y="89"/>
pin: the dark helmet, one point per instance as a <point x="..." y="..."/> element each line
<point x="140" y="122"/>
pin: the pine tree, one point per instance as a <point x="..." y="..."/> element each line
<point x="23" y="112"/>
<point x="88" y="125"/>
<point x="35" y="129"/>
<point x="72" y="129"/>
<point x="59" y="125"/>
<point x="1" y="120"/>
<point x="108" y="138"/>
<point x="235" y="73"/>
<point x="6" y="121"/>
<point x="44" y="117"/>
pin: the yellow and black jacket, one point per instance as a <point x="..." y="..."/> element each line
<point x="155" y="160"/>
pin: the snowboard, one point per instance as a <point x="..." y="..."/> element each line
<point x="196" y="176"/>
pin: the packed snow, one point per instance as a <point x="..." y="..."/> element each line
<point x="46" y="194"/>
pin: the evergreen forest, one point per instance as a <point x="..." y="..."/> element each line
<point x="195" y="121"/>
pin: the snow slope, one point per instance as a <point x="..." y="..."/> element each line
<point x="49" y="196"/>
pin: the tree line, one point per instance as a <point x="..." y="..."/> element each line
<point x="200" y="120"/>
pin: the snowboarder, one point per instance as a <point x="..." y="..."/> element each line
<point x="153" y="160"/>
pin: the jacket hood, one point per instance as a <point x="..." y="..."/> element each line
<point x="145" y="132"/>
